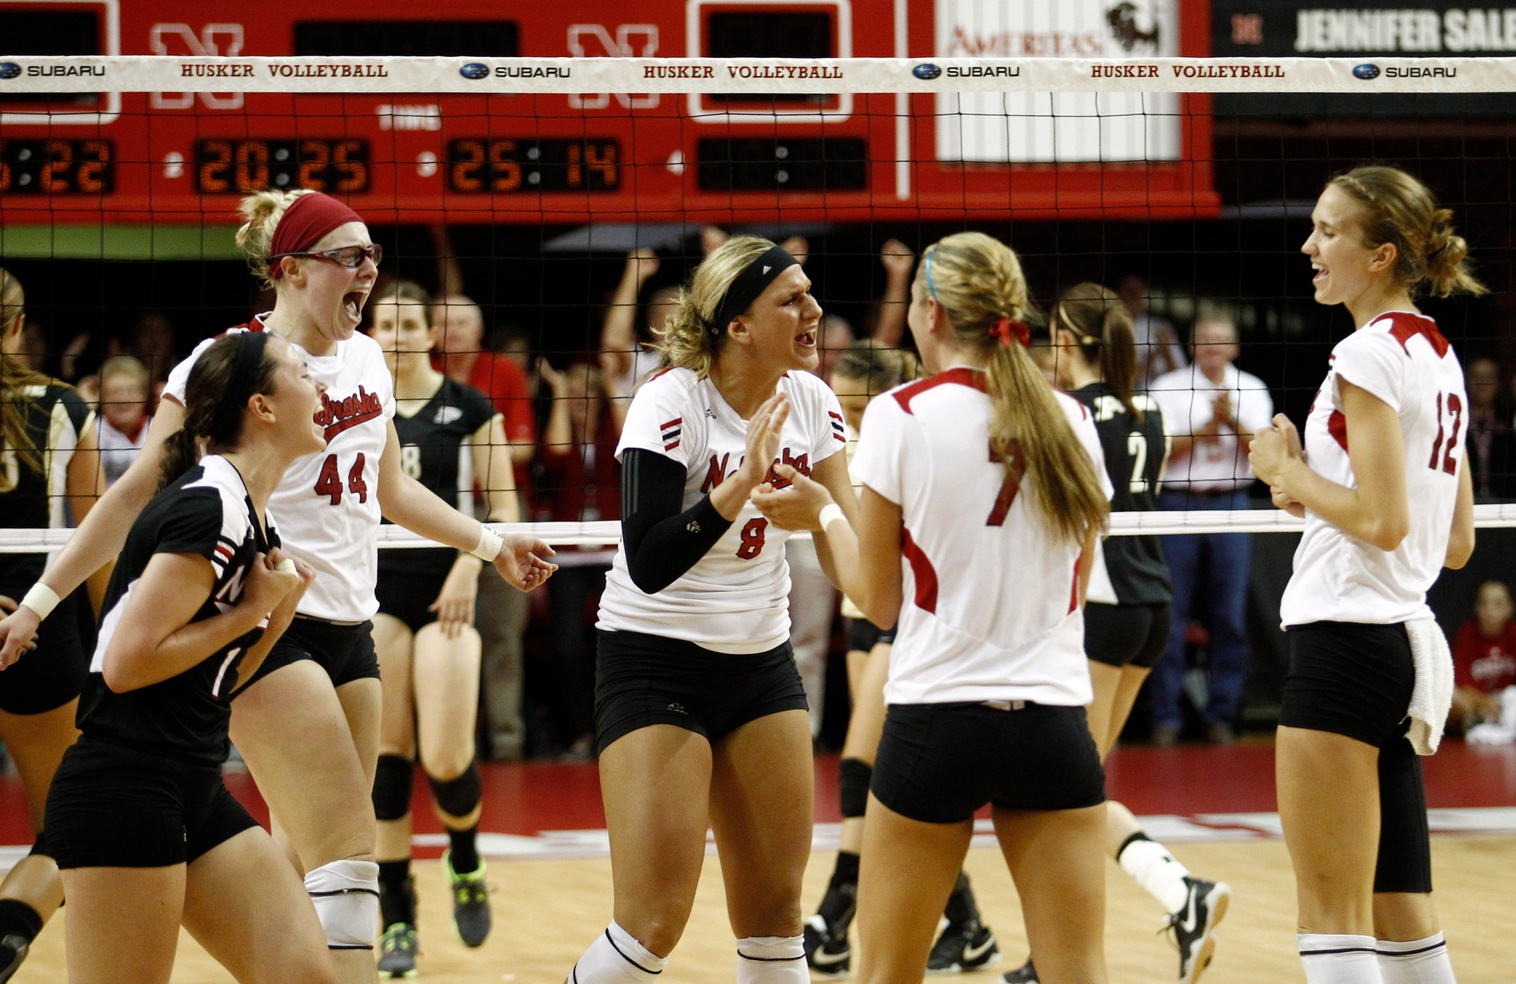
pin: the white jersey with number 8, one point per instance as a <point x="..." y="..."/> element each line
<point x="1402" y="359"/>
<point x="736" y="598"/>
<point x="327" y="506"/>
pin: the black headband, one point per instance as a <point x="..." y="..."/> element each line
<point x="747" y="285"/>
<point x="240" y="382"/>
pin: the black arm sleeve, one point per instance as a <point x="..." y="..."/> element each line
<point x="661" y="542"/>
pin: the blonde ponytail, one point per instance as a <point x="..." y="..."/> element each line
<point x="977" y="280"/>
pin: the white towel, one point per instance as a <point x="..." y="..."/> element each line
<point x="1432" y="694"/>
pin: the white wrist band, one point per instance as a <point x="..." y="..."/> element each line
<point x="830" y="513"/>
<point x="489" y="546"/>
<point x="41" y="599"/>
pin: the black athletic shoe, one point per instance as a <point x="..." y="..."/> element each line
<point x="1025" y="974"/>
<point x="471" y="903"/>
<point x="13" y="949"/>
<point x="963" y="946"/>
<point x="826" y="946"/>
<point x="1194" y="926"/>
<point x="397" y="951"/>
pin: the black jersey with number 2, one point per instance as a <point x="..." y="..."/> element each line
<point x="55" y="417"/>
<point x="1134" y="452"/>
<point x="207" y="513"/>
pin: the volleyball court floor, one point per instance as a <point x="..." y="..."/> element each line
<point x="543" y="834"/>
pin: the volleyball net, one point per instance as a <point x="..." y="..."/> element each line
<point x="564" y="194"/>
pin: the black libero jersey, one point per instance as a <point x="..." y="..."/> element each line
<point x="55" y="417"/>
<point x="1134" y="453"/>
<point x="206" y="513"/>
<point x="433" y="445"/>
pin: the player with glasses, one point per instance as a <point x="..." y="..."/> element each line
<point x="307" y="722"/>
<point x="351" y="257"/>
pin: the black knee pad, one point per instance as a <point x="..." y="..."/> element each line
<point x="392" y="788"/>
<point x="458" y="797"/>
<point x="40" y="845"/>
<point x="853" y="777"/>
<point x="1405" y="849"/>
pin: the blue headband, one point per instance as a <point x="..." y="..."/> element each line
<point x="931" y="287"/>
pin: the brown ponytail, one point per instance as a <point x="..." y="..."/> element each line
<point x="978" y="282"/>
<point x="15" y="380"/>
<point x="1103" y="328"/>
<point x="222" y="380"/>
<point x="1401" y="211"/>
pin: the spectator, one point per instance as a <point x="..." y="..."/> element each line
<point x="1211" y="410"/>
<point x="899" y="262"/>
<point x="627" y="355"/>
<point x="151" y="341"/>
<point x="502" y="613"/>
<point x="124" y="392"/>
<point x="1158" y="348"/>
<point x="579" y="482"/>
<point x="1490" y="436"/>
<point x="1484" y="658"/>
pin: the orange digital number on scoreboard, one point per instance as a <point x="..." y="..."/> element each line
<point x="241" y="167"/>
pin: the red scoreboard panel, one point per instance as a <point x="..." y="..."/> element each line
<point x="138" y="157"/>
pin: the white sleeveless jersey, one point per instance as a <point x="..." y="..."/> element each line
<point x="736" y="598"/>
<point x="990" y="607"/>
<point x="327" y="506"/>
<point x="1402" y="359"/>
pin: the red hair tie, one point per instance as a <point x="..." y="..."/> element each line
<point x="1005" y="329"/>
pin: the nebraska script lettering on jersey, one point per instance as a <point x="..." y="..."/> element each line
<point x="336" y="416"/>
<point x="717" y="470"/>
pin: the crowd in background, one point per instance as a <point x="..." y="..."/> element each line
<point x="563" y="412"/>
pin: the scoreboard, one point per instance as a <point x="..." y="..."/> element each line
<point x="569" y="157"/>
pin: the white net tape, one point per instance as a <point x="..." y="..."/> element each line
<point x="155" y="73"/>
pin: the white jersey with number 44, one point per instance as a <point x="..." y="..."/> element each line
<point x="1402" y="359"/>
<point x="736" y="598"/>
<point x="327" y="506"/>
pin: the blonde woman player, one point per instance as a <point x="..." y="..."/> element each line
<point x="1388" y="502"/>
<point x="984" y="495"/>
<point x="700" y="716"/>
<point x="424" y="632"/>
<point x="308" y="722"/>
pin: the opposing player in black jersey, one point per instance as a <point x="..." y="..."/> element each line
<point x="1126" y="615"/>
<point x="47" y="462"/>
<point x="199" y="595"/>
<point x="428" y="649"/>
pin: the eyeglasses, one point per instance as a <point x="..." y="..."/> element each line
<point x="351" y="257"/>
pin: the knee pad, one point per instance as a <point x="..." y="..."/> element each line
<point x="392" y="788"/>
<point x="346" y="896"/>
<point x="458" y="796"/>
<point x="39" y="846"/>
<point x="853" y="777"/>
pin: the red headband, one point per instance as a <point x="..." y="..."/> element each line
<point x="1005" y="329"/>
<point x="304" y="222"/>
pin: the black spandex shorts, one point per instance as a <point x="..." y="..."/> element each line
<point x="345" y="652"/>
<point x="863" y="635"/>
<point x="938" y="763"/>
<point x="1126" y="635"/>
<point x="111" y="806"/>
<point x="406" y="592"/>
<point x="642" y="680"/>
<point x="54" y="673"/>
<point x="1355" y="679"/>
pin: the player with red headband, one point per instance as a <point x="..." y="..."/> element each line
<point x="308" y="721"/>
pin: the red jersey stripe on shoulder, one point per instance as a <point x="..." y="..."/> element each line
<point x="972" y="378"/>
<point x="922" y="569"/>
<point x="1337" y="426"/>
<point x="660" y="372"/>
<point x="1405" y="326"/>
